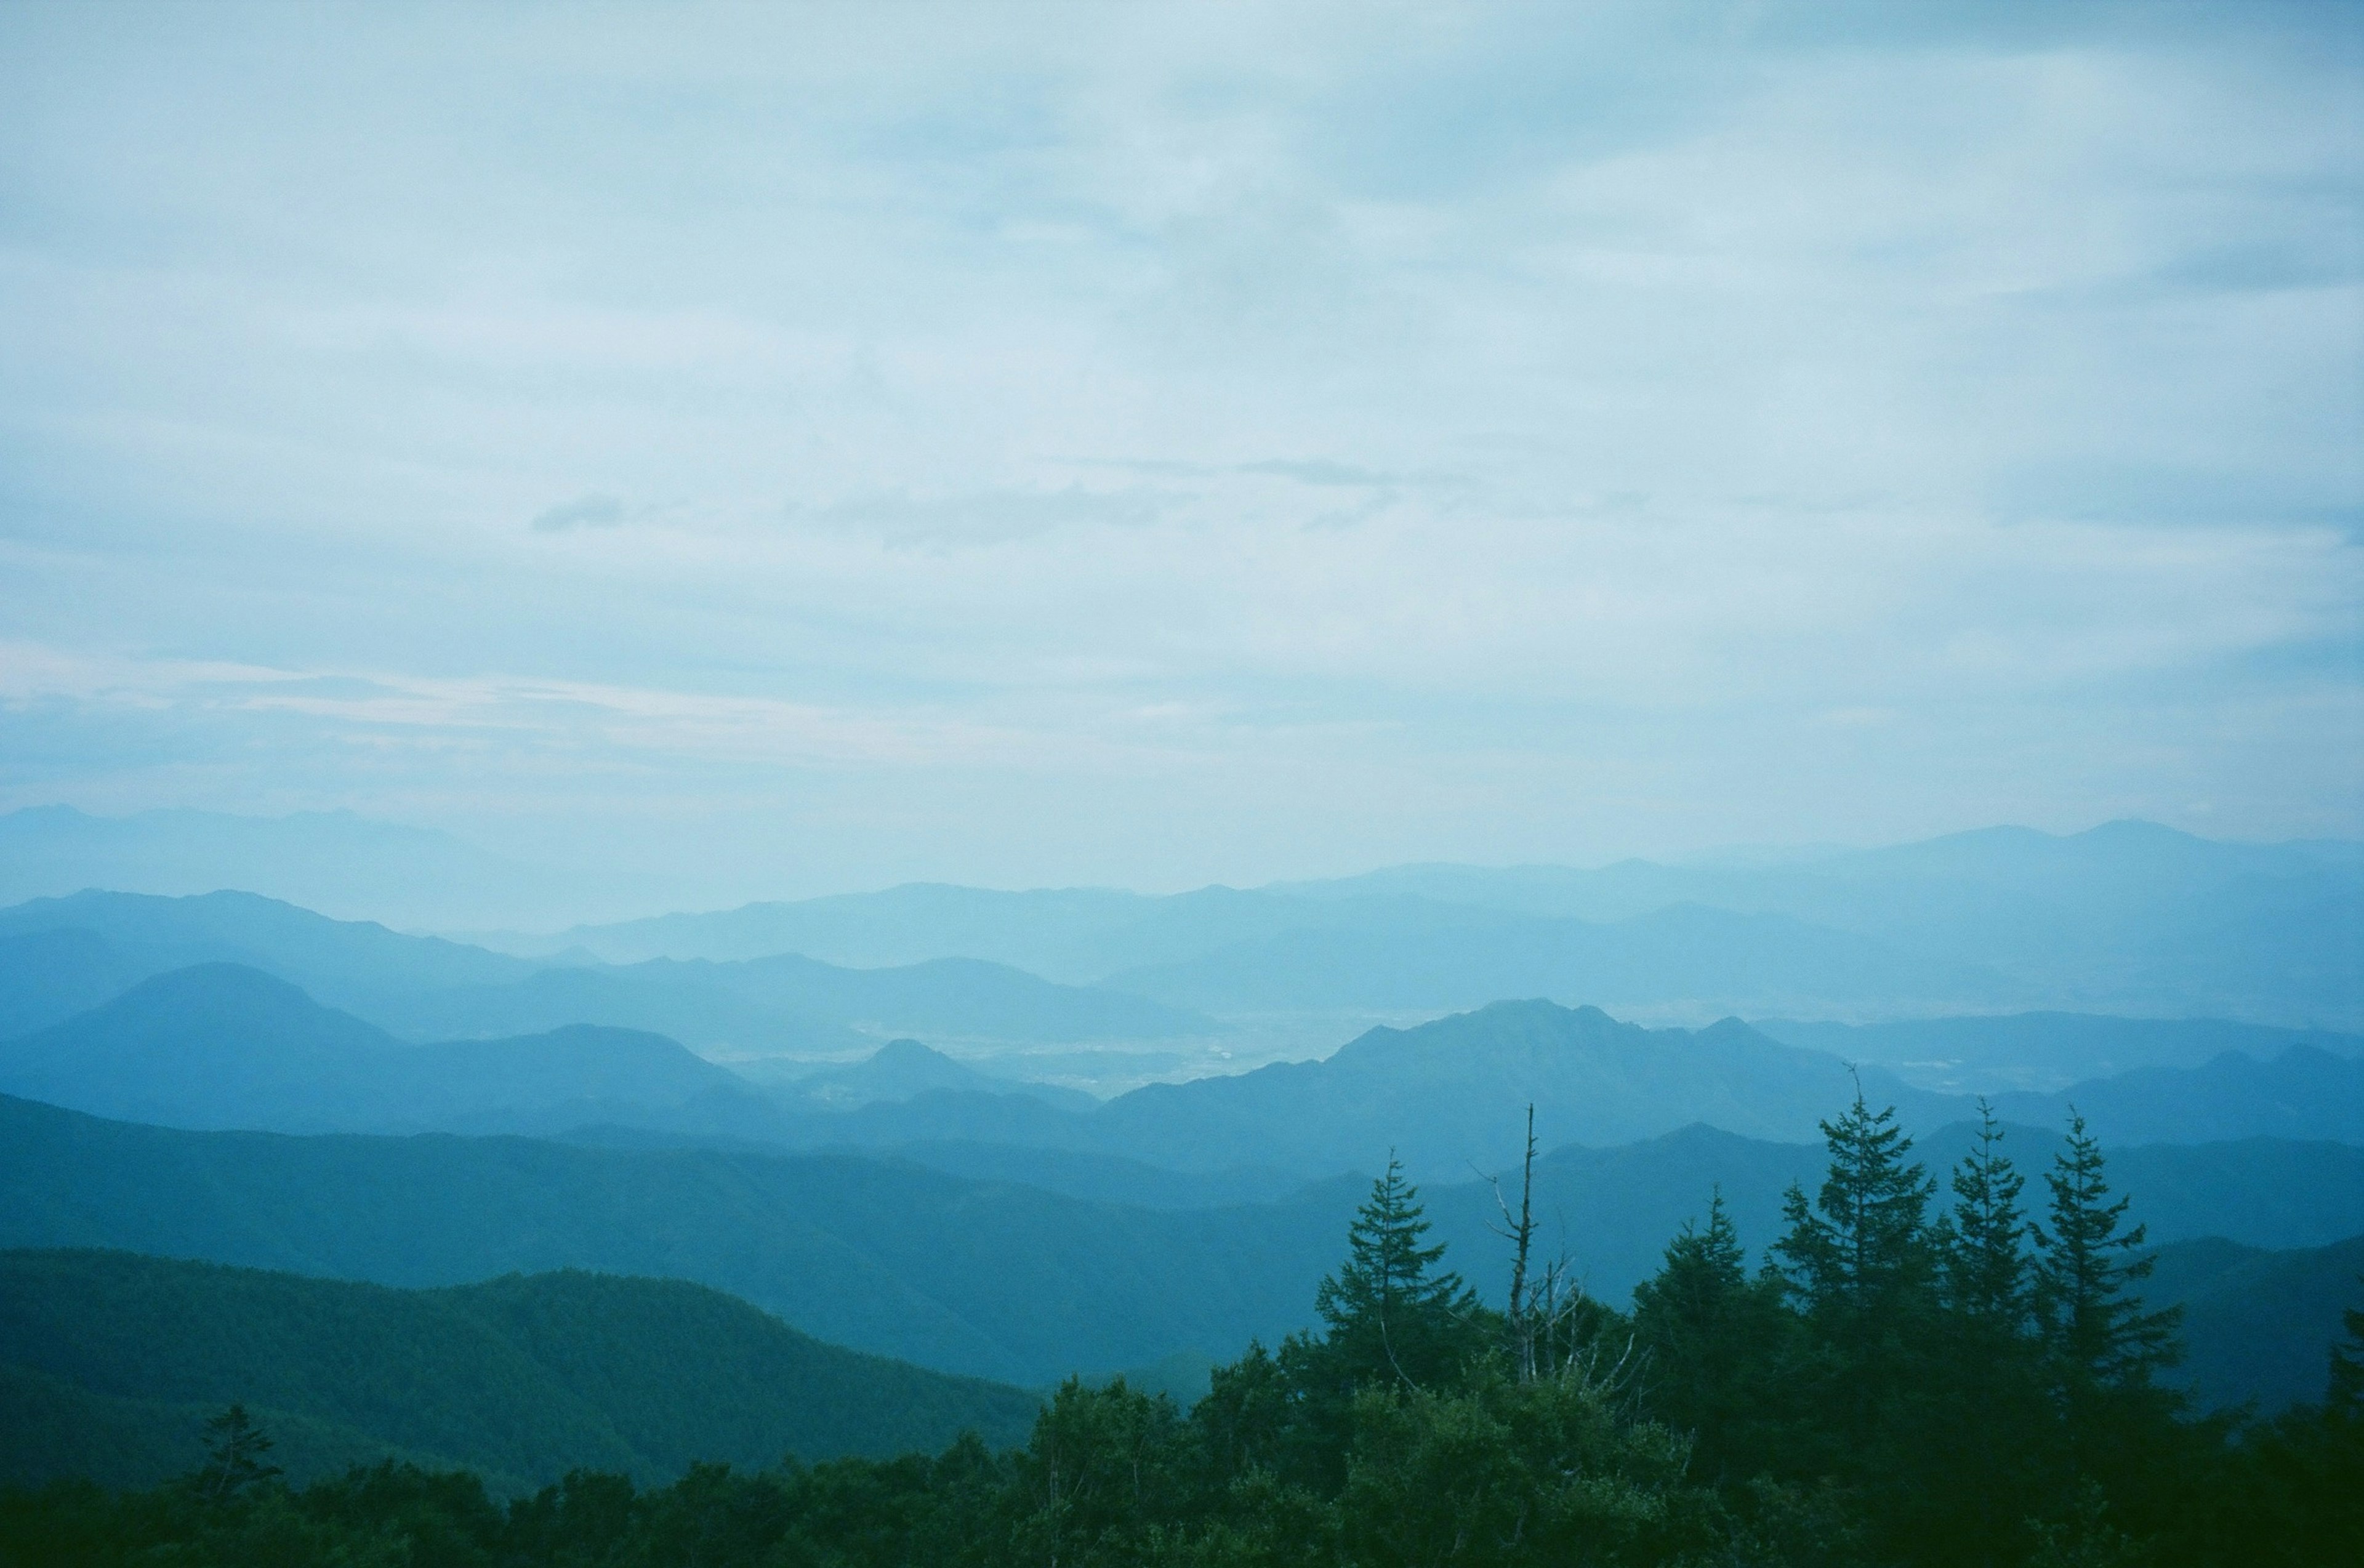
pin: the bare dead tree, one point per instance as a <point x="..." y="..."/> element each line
<point x="1549" y="1320"/>
<point x="1520" y="1231"/>
<point x="1570" y="1348"/>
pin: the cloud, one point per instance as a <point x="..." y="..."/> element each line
<point x="1321" y="472"/>
<point x="979" y="518"/>
<point x="585" y="512"/>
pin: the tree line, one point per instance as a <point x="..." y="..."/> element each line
<point x="1964" y="1378"/>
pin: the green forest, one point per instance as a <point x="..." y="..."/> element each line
<point x="1923" y="1370"/>
<point x="112" y="1362"/>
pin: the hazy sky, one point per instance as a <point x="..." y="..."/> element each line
<point x="815" y="448"/>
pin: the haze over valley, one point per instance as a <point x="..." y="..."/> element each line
<point x="1200" y="1072"/>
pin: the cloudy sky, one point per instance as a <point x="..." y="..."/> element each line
<point x="811" y="448"/>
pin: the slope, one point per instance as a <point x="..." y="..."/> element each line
<point x="990" y="1279"/>
<point x="2258" y="1324"/>
<point x="526" y="1377"/>
<point x="2304" y="1092"/>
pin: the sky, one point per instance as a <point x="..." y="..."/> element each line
<point x="792" y="449"/>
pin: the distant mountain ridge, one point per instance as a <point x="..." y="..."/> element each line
<point x="1683" y="954"/>
<point x="788" y="1002"/>
<point x="347" y="963"/>
<point x="72" y="954"/>
<point x="1437" y="1092"/>
<point x="333" y="861"/>
<point x="2128" y="917"/>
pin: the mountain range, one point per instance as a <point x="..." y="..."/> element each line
<point x="2041" y="1051"/>
<point x="112" y="1362"/>
<point x="219" y="1046"/>
<point x="790" y="1003"/>
<point x="2128" y="917"/>
<point x="61" y="956"/>
<point x="1000" y="1278"/>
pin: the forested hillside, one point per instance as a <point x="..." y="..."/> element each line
<point x="2255" y="1321"/>
<point x="110" y="1356"/>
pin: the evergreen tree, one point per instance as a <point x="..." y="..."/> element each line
<point x="1390" y="1313"/>
<point x="2101" y="1347"/>
<point x="1710" y="1332"/>
<point x="1859" y="1258"/>
<point x="2099" y="1335"/>
<point x="1987" y="1449"/>
<point x="235" y="1450"/>
<point x="1860" y="1263"/>
<point x="1984" y="1239"/>
<point x="1103" y="1468"/>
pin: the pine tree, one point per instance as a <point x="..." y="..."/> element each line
<point x="1985" y="1425"/>
<point x="1984" y="1239"/>
<point x="2100" y="1347"/>
<point x="1388" y="1315"/>
<point x="1709" y="1331"/>
<point x="2095" y="1328"/>
<point x="1703" y="1270"/>
<point x="1861" y="1254"/>
<point x="235" y="1448"/>
<point x="1859" y="1264"/>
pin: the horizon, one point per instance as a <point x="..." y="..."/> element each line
<point x="1737" y="857"/>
